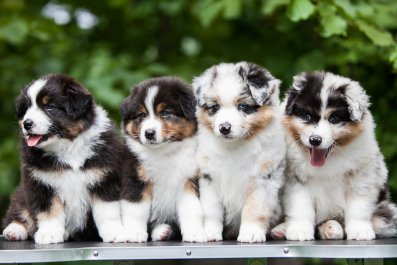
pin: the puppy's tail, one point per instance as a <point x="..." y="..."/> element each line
<point x="384" y="220"/>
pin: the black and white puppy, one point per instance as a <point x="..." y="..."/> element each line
<point x="70" y="166"/>
<point x="160" y="171"/>
<point x="241" y="150"/>
<point x="336" y="175"/>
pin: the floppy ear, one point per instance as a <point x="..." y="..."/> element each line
<point x="260" y="82"/>
<point x="124" y="107"/>
<point x="299" y="81"/>
<point x="202" y="83"/>
<point x="78" y="101"/>
<point x="188" y="105"/>
<point x="357" y="100"/>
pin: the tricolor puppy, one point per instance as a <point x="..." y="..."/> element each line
<point x="241" y="150"/>
<point x="70" y="166"/>
<point x="336" y="175"/>
<point x="160" y="176"/>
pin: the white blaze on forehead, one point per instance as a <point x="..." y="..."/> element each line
<point x="151" y="122"/>
<point x="330" y="81"/>
<point x="149" y="100"/>
<point x="34" y="90"/>
<point x="228" y="88"/>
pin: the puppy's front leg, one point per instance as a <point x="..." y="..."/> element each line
<point x="190" y="213"/>
<point x="300" y="214"/>
<point x="212" y="209"/>
<point x="51" y="224"/>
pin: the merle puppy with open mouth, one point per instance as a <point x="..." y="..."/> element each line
<point x="336" y="175"/>
<point x="71" y="158"/>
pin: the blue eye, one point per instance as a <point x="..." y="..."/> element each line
<point x="242" y="107"/>
<point x="334" y="119"/>
<point x="165" y="114"/>
<point x="303" y="115"/>
<point x="213" y="109"/>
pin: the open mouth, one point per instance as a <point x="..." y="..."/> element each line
<point x="35" y="139"/>
<point x="318" y="156"/>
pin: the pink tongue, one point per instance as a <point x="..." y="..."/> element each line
<point x="33" y="140"/>
<point x="318" y="156"/>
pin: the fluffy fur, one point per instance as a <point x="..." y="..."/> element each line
<point x="160" y="172"/>
<point x="70" y="166"/>
<point x="241" y="150"/>
<point x="336" y="175"/>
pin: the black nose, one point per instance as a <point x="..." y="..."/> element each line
<point x="315" y="140"/>
<point x="150" y="134"/>
<point x="27" y="124"/>
<point x="225" y="128"/>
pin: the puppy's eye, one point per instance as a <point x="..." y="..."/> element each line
<point x="334" y="119"/>
<point x="165" y="113"/>
<point x="213" y="109"/>
<point x="141" y="115"/>
<point x="243" y="107"/>
<point x="49" y="107"/>
<point x="304" y="115"/>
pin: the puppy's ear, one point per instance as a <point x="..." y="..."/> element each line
<point x="261" y="83"/>
<point x="78" y="100"/>
<point x="357" y="100"/>
<point x="299" y="82"/>
<point x="125" y="107"/>
<point x="202" y="83"/>
<point x="188" y="105"/>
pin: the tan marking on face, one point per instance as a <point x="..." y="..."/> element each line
<point x="76" y="128"/>
<point x="204" y="119"/>
<point x="45" y="100"/>
<point x="260" y="120"/>
<point x="294" y="130"/>
<point x="160" y="107"/>
<point x="350" y="132"/>
<point x="255" y="211"/>
<point x="55" y="210"/>
<point x="178" y="130"/>
<point x="28" y="222"/>
<point x="133" y="129"/>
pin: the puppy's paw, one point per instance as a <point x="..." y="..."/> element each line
<point x="278" y="232"/>
<point x="197" y="236"/>
<point x="112" y="233"/>
<point x="49" y="236"/>
<point x="213" y="232"/>
<point x="251" y="233"/>
<point x="301" y="231"/>
<point x="330" y="229"/>
<point x="15" y="232"/>
<point x="135" y="235"/>
<point x="360" y="230"/>
<point x="161" y="232"/>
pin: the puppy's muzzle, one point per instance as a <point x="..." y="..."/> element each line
<point x="225" y="128"/>
<point x="28" y="124"/>
<point x="315" y="140"/>
<point x="150" y="134"/>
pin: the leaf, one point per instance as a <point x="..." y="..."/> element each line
<point x="393" y="58"/>
<point x="333" y="25"/>
<point x="269" y="6"/>
<point x="347" y="7"/>
<point x="208" y="11"/>
<point x="15" y="31"/>
<point x="300" y="10"/>
<point x="377" y="36"/>
<point x="231" y="8"/>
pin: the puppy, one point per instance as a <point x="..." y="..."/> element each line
<point x="336" y="175"/>
<point x="160" y="174"/>
<point x="70" y="166"/>
<point x="241" y="150"/>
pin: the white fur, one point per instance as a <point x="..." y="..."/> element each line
<point x="161" y="232"/>
<point x="327" y="191"/>
<point x="134" y="218"/>
<point x="15" y="232"/>
<point x="107" y="217"/>
<point x="51" y="229"/>
<point x="41" y="122"/>
<point x="234" y="166"/>
<point x="330" y="230"/>
<point x="151" y="122"/>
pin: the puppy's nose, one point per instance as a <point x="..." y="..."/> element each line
<point x="315" y="140"/>
<point x="225" y="128"/>
<point x="27" y="124"/>
<point x="150" y="134"/>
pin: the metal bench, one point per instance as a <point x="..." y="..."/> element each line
<point x="357" y="252"/>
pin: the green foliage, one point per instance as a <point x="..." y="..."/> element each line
<point x="135" y="40"/>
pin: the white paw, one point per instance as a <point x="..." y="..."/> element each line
<point x="278" y="232"/>
<point x="250" y="233"/>
<point x="49" y="236"/>
<point x="330" y="230"/>
<point x="112" y="233"/>
<point x="161" y="232"/>
<point x="359" y="230"/>
<point x="299" y="231"/>
<point x="15" y="232"/>
<point x="197" y="236"/>
<point x="135" y="235"/>
<point x="213" y="232"/>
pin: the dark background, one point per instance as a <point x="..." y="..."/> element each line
<point x="110" y="45"/>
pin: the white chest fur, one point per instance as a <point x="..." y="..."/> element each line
<point x="71" y="186"/>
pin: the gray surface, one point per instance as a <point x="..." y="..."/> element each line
<point x="27" y="251"/>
